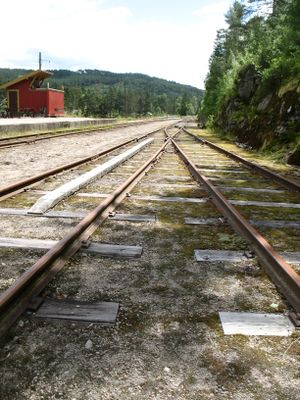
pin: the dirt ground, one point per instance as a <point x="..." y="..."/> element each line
<point x="168" y="342"/>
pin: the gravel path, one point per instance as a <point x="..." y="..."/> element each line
<point x="23" y="161"/>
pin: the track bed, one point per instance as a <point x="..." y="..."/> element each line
<point x="168" y="341"/>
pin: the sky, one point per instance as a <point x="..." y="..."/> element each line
<point x="169" y="39"/>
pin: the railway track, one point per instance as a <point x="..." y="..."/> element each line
<point x="11" y="189"/>
<point x="285" y="182"/>
<point x="17" y="299"/>
<point x="37" y="137"/>
<point x="154" y="248"/>
<point x="280" y="272"/>
<point x="283" y="275"/>
<point x="12" y="306"/>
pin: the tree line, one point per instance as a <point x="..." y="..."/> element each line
<point x="122" y="101"/>
<point x="263" y="34"/>
<point x="97" y="93"/>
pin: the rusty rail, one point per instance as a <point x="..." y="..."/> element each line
<point x="177" y="133"/>
<point x="19" y="185"/>
<point x="54" y="132"/>
<point x="16" y="299"/>
<point x="281" y="273"/>
<point x="27" y="139"/>
<point x="173" y="136"/>
<point x="285" y="182"/>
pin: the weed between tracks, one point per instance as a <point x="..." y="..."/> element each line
<point x="168" y="343"/>
<point x="267" y="160"/>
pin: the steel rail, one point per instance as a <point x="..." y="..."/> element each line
<point x="173" y="136"/>
<point x="285" y="182"/>
<point x="30" y="135"/>
<point x="19" y="185"/>
<point x="281" y="273"/>
<point x="16" y="299"/>
<point x="27" y="139"/>
<point x="12" y="142"/>
<point x="177" y="133"/>
<point x="78" y="130"/>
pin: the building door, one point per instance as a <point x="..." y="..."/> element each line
<point x="13" y="100"/>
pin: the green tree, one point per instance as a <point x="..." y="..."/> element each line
<point x="263" y="34"/>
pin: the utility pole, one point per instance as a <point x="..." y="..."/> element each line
<point x="40" y="60"/>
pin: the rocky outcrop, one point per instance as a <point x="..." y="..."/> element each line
<point x="294" y="157"/>
<point x="247" y="83"/>
<point x="263" y="105"/>
<point x="261" y="116"/>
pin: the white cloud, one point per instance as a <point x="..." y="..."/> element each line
<point x="82" y="34"/>
<point x="61" y="29"/>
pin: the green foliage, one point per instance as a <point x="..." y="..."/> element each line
<point x="185" y="105"/>
<point x="262" y="33"/>
<point x="106" y="94"/>
<point x="224" y="61"/>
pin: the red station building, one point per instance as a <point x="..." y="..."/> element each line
<point x="26" y="96"/>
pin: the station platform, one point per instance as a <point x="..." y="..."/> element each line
<point x="28" y="124"/>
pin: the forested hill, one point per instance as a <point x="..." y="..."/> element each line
<point x="253" y="86"/>
<point x="103" y="93"/>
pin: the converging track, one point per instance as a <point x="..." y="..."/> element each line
<point x="9" y="190"/>
<point x="165" y="230"/>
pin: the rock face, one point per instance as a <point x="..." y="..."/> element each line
<point x="248" y="82"/>
<point x="294" y="158"/>
<point x="264" y="103"/>
<point x="261" y="116"/>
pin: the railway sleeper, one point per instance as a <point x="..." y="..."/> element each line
<point x="104" y="313"/>
<point x="101" y="249"/>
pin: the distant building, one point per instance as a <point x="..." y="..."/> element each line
<point x="25" y="96"/>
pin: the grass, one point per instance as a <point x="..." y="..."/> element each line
<point x="272" y="156"/>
